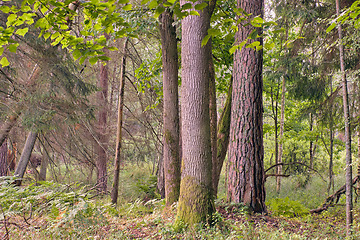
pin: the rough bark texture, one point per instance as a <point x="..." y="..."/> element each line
<point x="246" y="181"/>
<point x="196" y="203"/>
<point x="222" y="140"/>
<point x="4" y="159"/>
<point x="349" y="197"/>
<point x="281" y="137"/>
<point x="171" y="158"/>
<point x="117" y="161"/>
<point x="6" y="128"/>
<point x="101" y="146"/>
<point x="25" y="157"/>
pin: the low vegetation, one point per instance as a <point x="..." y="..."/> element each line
<point x="49" y="210"/>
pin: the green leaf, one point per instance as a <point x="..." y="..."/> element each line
<point x="143" y="2"/>
<point x="76" y="54"/>
<point x="12" y="48"/>
<point x="159" y="10"/>
<point x="233" y="49"/>
<point x="93" y="60"/>
<point x="331" y="27"/>
<point x="113" y="48"/>
<point x="5" y="9"/>
<point x="153" y="4"/>
<point x="269" y="46"/>
<point x="1" y="50"/>
<point x="127" y="7"/>
<point x="201" y="6"/>
<point x="205" y="40"/>
<point x="4" y="62"/>
<point x="186" y="6"/>
<point x="253" y="45"/>
<point x="195" y="13"/>
<point x="22" y="31"/>
<point x="47" y="35"/>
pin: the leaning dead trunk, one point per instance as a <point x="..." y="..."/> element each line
<point x="115" y="188"/>
<point x="25" y="157"/>
<point x="222" y="140"/>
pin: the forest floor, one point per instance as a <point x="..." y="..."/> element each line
<point x="69" y="211"/>
<point x="151" y="220"/>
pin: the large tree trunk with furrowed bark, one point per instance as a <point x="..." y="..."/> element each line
<point x="171" y="156"/>
<point x="196" y="203"/>
<point x="246" y="181"/>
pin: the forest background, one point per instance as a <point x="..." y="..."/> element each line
<point x="86" y="116"/>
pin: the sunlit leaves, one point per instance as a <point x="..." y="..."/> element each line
<point x="4" y="62"/>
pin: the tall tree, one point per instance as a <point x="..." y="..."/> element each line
<point x="117" y="161"/>
<point x="101" y="146"/>
<point x="281" y="137"/>
<point x="349" y="204"/>
<point x="171" y="159"/>
<point x="196" y="203"/>
<point x="246" y="182"/>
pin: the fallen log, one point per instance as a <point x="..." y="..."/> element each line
<point x="334" y="198"/>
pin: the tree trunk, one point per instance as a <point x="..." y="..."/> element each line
<point x="281" y="136"/>
<point x="246" y="151"/>
<point x="171" y="158"/>
<point x="102" y="143"/>
<point x="6" y="128"/>
<point x="349" y="197"/>
<point x="4" y="159"/>
<point x="311" y="147"/>
<point x="196" y="202"/>
<point x="25" y="157"/>
<point x="213" y="120"/>
<point x="222" y="140"/>
<point x="117" y="161"/>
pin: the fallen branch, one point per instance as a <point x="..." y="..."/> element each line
<point x="334" y="199"/>
<point x="276" y="175"/>
<point x="295" y="163"/>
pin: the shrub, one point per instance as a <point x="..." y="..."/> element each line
<point x="287" y="208"/>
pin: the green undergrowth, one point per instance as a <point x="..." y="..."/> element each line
<point x="50" y="210"/>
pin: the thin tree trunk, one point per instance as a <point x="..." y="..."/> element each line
<point x="311" y="147"/>
<point x="25" y="157"/>
<point x="102" y="143"/>
<point x="196" y="203"/>
<point x="349" y="197"/>
<point x="171" y="159"/>
<point x="222" y="139"/>
<point x="213" y="120"/>
<point x="117" y="161"/>
<point x="4" y="159"/>
<point x="246" y="151"/>
<point x="281" y="136"/>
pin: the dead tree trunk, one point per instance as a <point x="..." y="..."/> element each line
<point x="25" y="157"/>
<point x="115" y="188"/>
